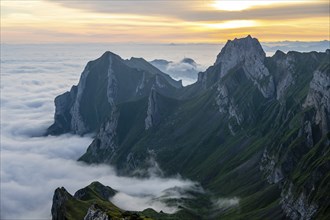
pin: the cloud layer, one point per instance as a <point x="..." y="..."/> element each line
<point x="32" y="167"/>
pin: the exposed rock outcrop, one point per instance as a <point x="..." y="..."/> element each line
<point x="319" y="97"/>
<point x="297" y="208"/>
<point x="270" y="169"/>
<point x="227" y="104"/>
<point x="63" y="104"/>
<point x="112" y="86"/>
<point x="153" y="115"/>
<point x="284" y="75"/>
<point x="95" y="213"/>
<point x="105" y="144"/>
<point x="248" y="53"/>
<point x="78" y="126"/>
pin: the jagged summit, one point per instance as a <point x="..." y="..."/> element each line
<point x="105" y="82"/>
<point x="244" y="54"/>
<point x="109" y="55"/>
<point x="237" y="51"/>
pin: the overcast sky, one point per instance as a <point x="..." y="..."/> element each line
<point x="162" y="21"/>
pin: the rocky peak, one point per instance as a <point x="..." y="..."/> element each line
<point x="61" y="196"/>
<point x="248" y="54"/>
<point x="108" y="54"/>
<point x="237" y="50"/>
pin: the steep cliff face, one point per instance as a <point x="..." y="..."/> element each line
<point x="319" y="97"/>
<point x="283" y="70"/>
<point x="104" y="83"/>
<point x="248" y="54"/>
<point x="253" y="127"/>
<point x="60" y="198"/>
<point x="128" y="121"/>
<point x="299" y="160"/>
<point x="63" y="117"/>
<point x="153" y="116"/>
<point x="227" y="105"/>
<point x="106" y="142"/>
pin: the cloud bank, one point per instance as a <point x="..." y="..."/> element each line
<point x="186" y="69"/>
<point x="32" y="167"/>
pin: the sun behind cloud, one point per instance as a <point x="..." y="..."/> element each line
<point x="239" y="5"/>
<point x="168" y="21"/>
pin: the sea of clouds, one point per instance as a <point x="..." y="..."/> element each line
<point x="33" y="166"/>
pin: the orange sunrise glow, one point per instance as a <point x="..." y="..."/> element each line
<point x="162" y="21"/>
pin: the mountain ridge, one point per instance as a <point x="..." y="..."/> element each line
<point x="248" y="119"/>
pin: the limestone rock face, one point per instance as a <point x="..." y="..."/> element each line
<point x="285" y="65"/>
<point x="112" y="86"/>
<point x="319" y="97"/>
<point x="94" y="213"/>
<point x="202" y="79"/>
<point x="77" y="124"/>
<point x="227" y="104"/>
<point x="63" y="115"/>
<point x="153" y="115"/>
<point x="105" y="142"/>
<point x="103" y="84"/>
<point x="248" y="53"/>
<point x="269" y="167"/>
<point x="297" y="208"/>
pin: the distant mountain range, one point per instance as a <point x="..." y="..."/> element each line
<point x="302" y="46"/>
<point x="252" y="127"/>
